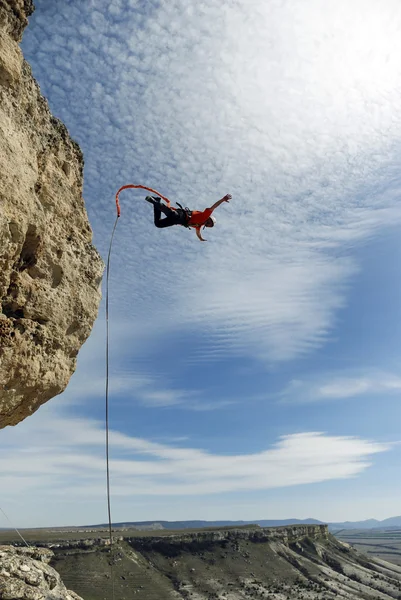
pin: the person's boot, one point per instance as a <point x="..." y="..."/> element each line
<point x="153" y="199"/>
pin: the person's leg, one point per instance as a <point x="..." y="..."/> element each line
<point x="173" y="216"/>
<point x="170" y="219"/>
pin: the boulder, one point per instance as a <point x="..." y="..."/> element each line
<point x="26" y="575"/>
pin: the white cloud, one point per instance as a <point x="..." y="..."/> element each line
<point x="55" y="454"/>
<point x="295" y="112"/>
<point x="334" y="387"/>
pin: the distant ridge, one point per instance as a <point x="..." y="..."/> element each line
<point x="391" y="522"/>
<point x="202" y="524"/>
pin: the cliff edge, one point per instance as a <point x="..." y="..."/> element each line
<point x="26" y="574"/>
<point x="50" y="273"/>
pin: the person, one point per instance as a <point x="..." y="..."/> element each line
<point x="184" y="216"/>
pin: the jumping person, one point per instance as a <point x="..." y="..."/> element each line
<point x="184" y="216"/>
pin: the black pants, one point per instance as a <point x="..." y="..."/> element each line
<point x="173" y="217"/>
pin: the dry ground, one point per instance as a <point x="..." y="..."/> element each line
<point x="385" y="544"/>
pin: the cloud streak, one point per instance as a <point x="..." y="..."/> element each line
<point x="341" y="387"/>
<point x="65" y="455"/>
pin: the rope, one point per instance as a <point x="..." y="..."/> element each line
<point x="142" y="187"/>
<point x="124" y="187"/>
<point x="15" y="529"/>
<point x="107" y="406"/>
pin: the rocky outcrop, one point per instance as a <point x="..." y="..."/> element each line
<point x="14" y="17"/>
<point x="184" y="541"/>
<point x="88" y="544"/>
<point x="50" y="273"/>
<point x="26" y="575"/>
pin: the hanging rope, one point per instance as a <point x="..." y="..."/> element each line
<point x="124" y="187"/>
<point x="107" y="408"/>
<point x="107" y="381"/>
<point x="15" y="529"/>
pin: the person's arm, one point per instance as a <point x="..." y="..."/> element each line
<point x="198" y="233"/>
<point x="225" y="198"/>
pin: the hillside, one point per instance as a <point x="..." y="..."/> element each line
<point x="301" y="562"/>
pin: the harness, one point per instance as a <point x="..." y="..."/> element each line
<point x="187" y="214"/>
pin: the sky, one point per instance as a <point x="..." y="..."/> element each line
<point x="258" y="375"/>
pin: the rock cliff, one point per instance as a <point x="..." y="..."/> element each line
<point x="25" y="573"/>
<point x="297" y="562"/>
<point x="50" y="273"/>
<point x="177" y="542"/>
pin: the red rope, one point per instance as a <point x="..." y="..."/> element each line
<point x="142" y="187"/>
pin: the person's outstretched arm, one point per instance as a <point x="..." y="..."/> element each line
<point x="198" y="233"/>
<point x="225" y="198"/>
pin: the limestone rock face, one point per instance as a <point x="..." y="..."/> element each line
<point x="50" y="273"/>
<point x="26" y="575"/>
<point x="290" y="534"/>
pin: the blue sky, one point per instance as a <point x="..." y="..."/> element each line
<point x="256" y="375"/>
